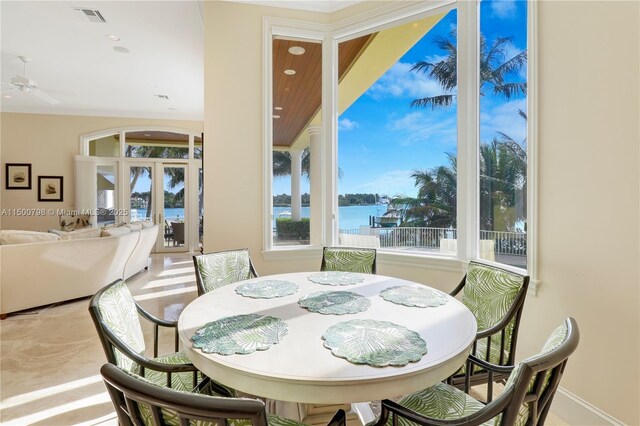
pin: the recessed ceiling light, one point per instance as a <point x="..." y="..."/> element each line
<point x="276" y="116"/>
<point x="147" y="134"/>
<point x="112" y="37"/>
<point x="289" y="72"/>
<point x="8" y="96"/>
<point x="278" y="108"/>
<point x="296" y="50"/>
<point x="120" y="49"/>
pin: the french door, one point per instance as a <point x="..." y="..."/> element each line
<point x="158" y="192"/>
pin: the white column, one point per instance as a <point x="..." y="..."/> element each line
<point x="296" y="173"/>
<point x="315" y="176"/>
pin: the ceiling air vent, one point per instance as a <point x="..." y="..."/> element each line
<point x="163" y="97"/>
<point x="91" y="15"/>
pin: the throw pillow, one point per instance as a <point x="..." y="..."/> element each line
<point x="73" y="222"/>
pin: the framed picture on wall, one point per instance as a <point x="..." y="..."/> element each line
<point x="18" y="176"/>
<point x="50" y="188"/>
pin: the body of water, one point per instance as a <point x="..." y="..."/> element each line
<point x="350" y="217"/>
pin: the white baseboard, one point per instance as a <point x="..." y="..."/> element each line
<point x="576" y="411"/>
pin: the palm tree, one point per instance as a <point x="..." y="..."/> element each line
<point x="176" y="174"/>
<point x="494" y="71"/>
<point x="503" y="182"/>
<point x="503" y="189"/>
<point x="436" y="202"/>
<point x="282" y="164"/>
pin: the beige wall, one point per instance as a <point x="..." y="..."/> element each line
<point x="49" y="143"/>
<point x="589" y="196"/>
<point x="589" y="182"/>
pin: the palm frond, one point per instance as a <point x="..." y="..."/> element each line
<point x="433" y="101"/>
<point x="509" y="90"/>
<point x="522" y="114"/>
<point x="512" y="65"/>
<point x="422" y="66"/>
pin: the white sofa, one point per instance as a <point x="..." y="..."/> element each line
<point x="36" y="274"/>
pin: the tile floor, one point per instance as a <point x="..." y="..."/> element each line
<point x="50" y="357"/>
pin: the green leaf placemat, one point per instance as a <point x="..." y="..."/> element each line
<point x="376" y="343"/>
<point x="239" y="334"/>
<point x="335" y="278"/>
<point x="335" y="302"/>
<point x="420" y="297"/>
<point x="266" y="289"/>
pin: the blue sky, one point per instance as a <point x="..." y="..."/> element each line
<point x="381" y="140"/>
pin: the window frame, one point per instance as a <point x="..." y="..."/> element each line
<point x="468" y="130"/>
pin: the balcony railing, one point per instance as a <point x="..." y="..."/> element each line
<point x="505" y="243"/>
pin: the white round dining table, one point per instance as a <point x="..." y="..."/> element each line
<point x="300" y="369"/>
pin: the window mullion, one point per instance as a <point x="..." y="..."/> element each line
<point x="330" y="137"/>
<point x="468" y="129"/>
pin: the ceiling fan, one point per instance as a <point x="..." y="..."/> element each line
<point x="26" y="85"/>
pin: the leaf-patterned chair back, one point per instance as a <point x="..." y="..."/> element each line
<point x="215" y="270"/>
<point x="117" y="311"/>
<point x="349" y="259"/>
<point x="141" y="402"/>
<point x="489" y="293"/>
<point x="541" y="374"/>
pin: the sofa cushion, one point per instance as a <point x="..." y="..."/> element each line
<point x="112" y="232"/>
<point x="78" y="234"/>
<point x="146" y="224"/>
<point x="20" y="237"/>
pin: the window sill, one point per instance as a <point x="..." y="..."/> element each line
<point x="292" y="253"/>
<point x="419" y="260"/>
<point x="389" y="257"/>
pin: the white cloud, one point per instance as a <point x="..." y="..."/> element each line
<point x="410" y="121"/>
<point x="504" y="118"/>
<point x="421" y="127"/>
<point x="346" y="124"/>
<point x="394" y="182"/>
<point x="400" y="81"/>
<point x="503" y="8"/>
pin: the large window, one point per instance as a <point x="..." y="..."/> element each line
<point x="296" y="113"/>
<point x="397" y="137"/>
<point x="503" y="132"/>
<point x="426" y="149"/>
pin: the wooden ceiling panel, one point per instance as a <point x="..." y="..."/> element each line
<point x="300" y="95"/>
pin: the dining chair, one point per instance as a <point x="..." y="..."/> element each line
<point x="349" y="259"/>
<point x="525" y="399"/>
<point x="115" y="315"/>
<point x="214" y="270"/>
<point x="496" y="297"/>
<point x="178" y="233"/>
<point x="140" y="402"/>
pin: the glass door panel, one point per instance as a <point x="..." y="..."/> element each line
<point x="141" y="192"/>
<point x="174" y="210"/>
